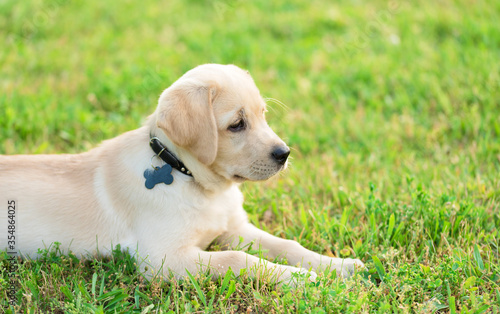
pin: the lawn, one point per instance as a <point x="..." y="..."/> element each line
<point x="392" y="110"/>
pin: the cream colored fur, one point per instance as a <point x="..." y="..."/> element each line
<point x="97" y="199"/>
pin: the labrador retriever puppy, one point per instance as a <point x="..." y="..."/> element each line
<point x="167" y="190"/>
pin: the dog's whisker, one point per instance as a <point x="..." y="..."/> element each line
<point x="278" y="102"/>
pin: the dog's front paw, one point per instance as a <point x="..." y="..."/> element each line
<point x="295" y="276"/>
<point x="348" y="266"/>
<point x="345" y="267"/>
<point x="308" y="274"/>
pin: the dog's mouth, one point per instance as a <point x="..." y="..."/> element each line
<point x="239" y="178"/>
<point x="257" y="171"/>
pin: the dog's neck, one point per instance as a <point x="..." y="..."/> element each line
<point x="202" y="174"/>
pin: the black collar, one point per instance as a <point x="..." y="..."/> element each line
<point x="162" y="152"/>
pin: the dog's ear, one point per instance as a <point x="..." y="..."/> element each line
<point x="185" y="113"/>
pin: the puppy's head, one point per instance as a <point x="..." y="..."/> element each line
<point x="217" y="114"/>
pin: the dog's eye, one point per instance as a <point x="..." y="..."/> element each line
<point x="238" y="126"/>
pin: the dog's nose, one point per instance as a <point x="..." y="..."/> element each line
<point x="280" y="154"/>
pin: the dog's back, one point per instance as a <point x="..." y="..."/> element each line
<point x="43" y="186"/>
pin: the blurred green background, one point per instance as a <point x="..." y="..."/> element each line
<point x="389" y="86"/>
<point x="381" y="101"/>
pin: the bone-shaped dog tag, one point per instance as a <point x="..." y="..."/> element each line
<point x="158" y="175"/>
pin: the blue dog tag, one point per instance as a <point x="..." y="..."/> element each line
<point x="158" y="175"/>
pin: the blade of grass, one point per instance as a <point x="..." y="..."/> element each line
<point x="200" y="293"/>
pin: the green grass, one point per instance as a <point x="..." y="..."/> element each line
<point x="392" y="112"/>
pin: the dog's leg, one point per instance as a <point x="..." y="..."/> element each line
<point x="295" y="253"/>
<point x="218" y="263"/>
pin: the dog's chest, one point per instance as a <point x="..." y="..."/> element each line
<point x="212" y="216"/>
